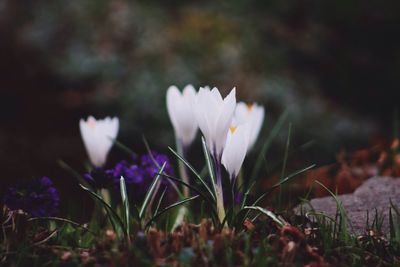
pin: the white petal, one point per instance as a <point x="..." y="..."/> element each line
<point x="200" y="109"/>
<point x="241" y="113"/>
<point x="216" y="95"/>
<point x="173" y="99"/>
<point x="189" y="91"/>
<point x="224" y="121"/>
<point x="181" y="112"/>
<point x="253" y="114"/>
<point x="98" y="138"/>
<point x="257" y="122"/>
<point x="214" y="116"/>
<point x="189" y="123"/>
<point x="235" y="150"/>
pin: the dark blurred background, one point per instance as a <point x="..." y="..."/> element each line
<point x="334" y="64"/>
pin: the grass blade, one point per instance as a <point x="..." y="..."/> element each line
<point x="209" y="165"/>
<point x="123" y="147"/>
<point x="63" y="220"/>
<point x="343" y="221"/>
<point x="205" y="197"/>
<point x="286" y="179"/>
<point x="176" y="204"/>
<point x="246" y="195"/>
<point x="74" y="173"/>
<point x="274" y="132"/>
<point x="150" y="192"/>
<point x="197" y="175"/>
<point x="160" y="201"/>
<point x="125" y="204"/>
<point x="148" y="149"/>
<point x="106" y="206"/>
<point x="285" y="157"/>
<point x="267" y="213"/>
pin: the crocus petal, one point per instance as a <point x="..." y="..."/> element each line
<point x="214" y="116"/>
<point x="256" y="124"/>
<point x="181" y="113"/>
<point x="224" y="121"/>
<point x="173" y="97"/>
<point x="201" y="115"/>
<point x="216" y="95"/>
<point x="235" y="150"/>
<point x="252" y="114"/>
<point x="98" y="137"/>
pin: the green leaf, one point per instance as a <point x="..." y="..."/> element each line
<point x="190" y="167"/>
<point x="74" y="173"/>
<point x="123" y="147"/>
<point x="63" y="220"/>
<point x="112" y="214"/>
<point x="209" y="165"/>
<point x="274" y="132"/>
<point x="342" y="215"/>
<point x="125" y="204"/>
<point x="151" y="191"/>
<point x="160" y="201"/>
<point x="267" y="213"/>
<point x="205" y="197"/>
<point x="148" y="149"/>
<point x="246" y="195"/>
<point x="176" y="204"/>
<point x="286" y="179"/>
<point x="285" y="157"/>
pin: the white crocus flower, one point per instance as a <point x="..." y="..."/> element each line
<point x="98" y="136"/>
<point x="253" y="115"/>
<point x="214" y="116"/>
<point x="181" y="114"/>
<point x="235" y="149"/>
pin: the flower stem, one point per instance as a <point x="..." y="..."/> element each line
<point x="220" y="193"/>
<point x="182" y="168"/>
<point x="183" y="211"/>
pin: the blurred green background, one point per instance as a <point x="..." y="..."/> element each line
<point x="334" y="64"/>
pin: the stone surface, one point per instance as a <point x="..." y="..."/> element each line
<point x="373" y="194"/>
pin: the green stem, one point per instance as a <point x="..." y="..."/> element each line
<point x="284" y="164"/>
<point x="182" y="168"/>
<point x="219" y="189"/>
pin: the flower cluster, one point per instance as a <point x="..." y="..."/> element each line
<point x="229" y="128"/>
<point x="138" y="174"/>
<point x="37" y="197"/>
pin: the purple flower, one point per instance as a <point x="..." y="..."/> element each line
<point x="132" y="173"/>
<point x="149" y="164"/>
<point x="138" y="174"/>
<point x="37" y="197"/>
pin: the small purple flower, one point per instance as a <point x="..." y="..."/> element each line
<point x="132" y="173"/>
<point x="138" y="174"/>
<point x="149" y="164"/>
<point x="37" y="197"/>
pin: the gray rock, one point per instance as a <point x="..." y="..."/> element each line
<point x="373" y="195"/>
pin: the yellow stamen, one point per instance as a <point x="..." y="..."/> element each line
<point x="232" y="129"/>
<point x="250" y="107"/>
